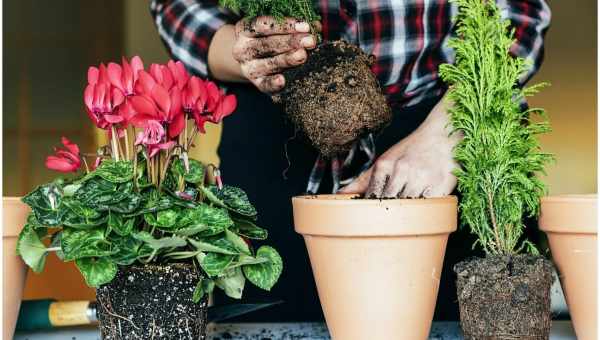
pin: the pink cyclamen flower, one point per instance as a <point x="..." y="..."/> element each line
<point x="158" y="98"/>
<point x="124" y="76"/>
<point x="101" y="99"/>
<point x="215" y="106"/>
<point x="65" y="160"/>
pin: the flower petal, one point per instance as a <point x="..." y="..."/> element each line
<point x="143" y="106"/>
<point x="60" y="164"/>
<point x="115" y="72"/>
<point x="92" y="75"/>
<point x="162" y="99"/>
<point x="177" y="125"/>
<point x="72" y="147"/>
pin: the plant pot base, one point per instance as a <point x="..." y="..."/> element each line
<point x="504" y="298"/>
<point x="152" y="302"/>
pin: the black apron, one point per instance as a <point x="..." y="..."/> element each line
<point x="253" y="149"/>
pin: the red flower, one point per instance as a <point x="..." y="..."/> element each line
<point x="214" y="107"/>
<point x="65" y="160"/>
<point x="101" y="99"/>
<point x="124" y="77"/>
<point x="158" y="98"/>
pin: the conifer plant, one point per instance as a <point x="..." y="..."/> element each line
<point x="333" y="98"/>
<point x="506" y="294"/>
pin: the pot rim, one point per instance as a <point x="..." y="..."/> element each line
<point x="569" y="214"/>
<point x="13" y="209"/>
<point x="343" y="216"/>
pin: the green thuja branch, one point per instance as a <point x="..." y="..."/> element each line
<point x="500" y="154"/>
<point x="279" y="9"/>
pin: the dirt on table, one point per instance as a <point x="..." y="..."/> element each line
<point x="152" y="302"/>
<point x="334" y="98"/>
<point x="505" y="297"/>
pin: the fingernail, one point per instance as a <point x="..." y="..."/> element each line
<point x="302" y="27"/>
<point x="280" y="80"/>
<point x="308" y="41"/>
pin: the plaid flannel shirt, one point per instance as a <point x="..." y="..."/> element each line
<point x="408" y="39"/>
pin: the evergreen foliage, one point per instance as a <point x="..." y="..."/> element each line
<point x="279" y="9"/>
<point x="500" y="155"/>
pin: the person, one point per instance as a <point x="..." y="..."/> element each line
<point x="259" y="149"/>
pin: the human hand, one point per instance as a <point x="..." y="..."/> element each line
<point x="420" y="165"/>
<point x="265" y="47"/>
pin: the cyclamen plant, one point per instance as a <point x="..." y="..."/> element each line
<point x="143" y="201"/>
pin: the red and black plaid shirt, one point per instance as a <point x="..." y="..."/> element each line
<point x="407" y="37"/>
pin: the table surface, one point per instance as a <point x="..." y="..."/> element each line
<point x="561" y="330"/>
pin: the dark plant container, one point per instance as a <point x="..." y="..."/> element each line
<point x="503" y="297"/>
<point x="152" y="302"/>
<point x="334" y="98"/>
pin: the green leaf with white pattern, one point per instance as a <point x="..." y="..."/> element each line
<point x="78" y="244"/>
<point x="214" y="264"/>
<point x="250" y="230"/>
<point x="235" y="199"/>
<point x="96" y="271"/>
<point x="120" y="225"/>
<point x="232" y="283"/>
<point x="203" y="219"/>
<point x="265" y="275"/>
<point x="238" y="242"/>
<point x="211" y="197"/>
<point x="165" y="242"/>
<point x="115" y="171"/>
<point x="195" y="174"/>
<point x="127" y="250"/>
<point x="204" y="287"/>
<point x="215" y="245"/>
<point x="31" y="249"/>
<point x="46" y="203"/>
<point x="166" y="219"/>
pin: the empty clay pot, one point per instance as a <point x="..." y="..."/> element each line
<point x="571" y="223"/>
<point x="377" y="263"/>
<point x="14" y="217"/>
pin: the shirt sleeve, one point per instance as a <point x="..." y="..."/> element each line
<point x="530" y="20"/>
<point x="187" y="27"/>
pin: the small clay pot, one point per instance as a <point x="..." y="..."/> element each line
<point x="334" y="98"/>
<point x="571" y="223"/>
<point x="152" y="302"/>
<point x="14" y="217"/>
<point x="376" y="263"/>
<point x="505" y="297"/>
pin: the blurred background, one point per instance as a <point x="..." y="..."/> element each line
<point x="48" y="46"/>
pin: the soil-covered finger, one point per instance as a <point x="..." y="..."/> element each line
<point x="272" y="45"/>
<point x="270" y="84"/>
<point x="264" y="26"/>
<point x="268" y="66"/>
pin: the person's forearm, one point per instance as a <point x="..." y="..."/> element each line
<point x="221" y="64"/>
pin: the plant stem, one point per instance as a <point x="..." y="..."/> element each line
<point x="127" y="144"/>
<point x="114" y="145"/>
<point x="87" y="169"/>
<point x="191" y="139"/>
<point x="494" y="222"/>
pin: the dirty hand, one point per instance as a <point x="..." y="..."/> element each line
<point x="420" y="165"/>
<point x="265" y="47"/>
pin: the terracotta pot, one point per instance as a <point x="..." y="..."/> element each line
<point x="377" y="263"/>
<point x="571" y="223"/>
<point x="14" y="216"/>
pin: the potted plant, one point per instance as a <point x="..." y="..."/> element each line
<point x="14" y="216"/>
<point x="333" y="98"/>
<point x="571" y="223"/>
<point x="505" y="295"/>
<point x="151" y="229"/>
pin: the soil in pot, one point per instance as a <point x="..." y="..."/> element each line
<point x="503" y="297"/>
<point x="334" y="98"/>
<point x="152" y="302"/>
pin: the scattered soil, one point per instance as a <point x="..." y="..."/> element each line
<point x="152" y="302"/>
<point x="334" y="98"/>
<point x="504" y="297"/>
